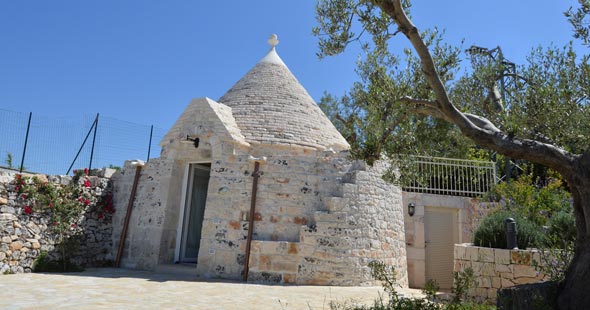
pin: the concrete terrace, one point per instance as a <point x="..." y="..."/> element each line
<point x="110" y="288"/>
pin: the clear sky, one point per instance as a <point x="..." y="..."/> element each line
<point x="143" y="61"/>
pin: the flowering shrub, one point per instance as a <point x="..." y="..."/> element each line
<point x="64" y="205"/>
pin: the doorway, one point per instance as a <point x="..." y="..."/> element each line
<point x="440" y="231"/>
<point x="194" y="211"/>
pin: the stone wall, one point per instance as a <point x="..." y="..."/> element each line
<point x="23" y="236"/>
<point x="497" y="268"/>
<point x="341" y="211"/>
<point x="362" y="222"/>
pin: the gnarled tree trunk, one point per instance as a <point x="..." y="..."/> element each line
<point x="575" y="290"/>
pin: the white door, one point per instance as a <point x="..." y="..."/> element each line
<point x="194" y="211"/>
<point x="441" y="233"/>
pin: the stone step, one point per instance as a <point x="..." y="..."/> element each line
<point x="323" y="217"/>
<point x="348" y="190"/>
<point x="335" y="204"/>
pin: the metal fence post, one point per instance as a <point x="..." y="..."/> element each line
<point x="93" y="140"/>
<point x="22" y="160"/>
<point x="150" y="144"/>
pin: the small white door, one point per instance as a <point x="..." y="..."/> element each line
<point x="441" y="233"/>
<point x="194" y="212"/>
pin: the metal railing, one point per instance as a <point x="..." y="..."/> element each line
<point x="448" y="176"/>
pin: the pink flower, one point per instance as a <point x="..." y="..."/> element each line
<point x="28" y="210"/>
<point x="24" y="196"/>
<point x="73" y="225"/>
<point x="17" y="188"/>
<point x="86" y="183"/>
<point x="86" y="171"/>
<point x="51" y="204"/>
<point x="100" y="216"/>
<point x="80" y="199"/>
<point x="87" y="202"/>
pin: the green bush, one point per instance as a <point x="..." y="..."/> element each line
<point x="538" y="204"/>
<point x="491" y="232"/>
<point x="562" y="226"/>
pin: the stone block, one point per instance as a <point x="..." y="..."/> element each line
<point x="524" y="271"/>
<point x="507" y="275"/>
<point x="485" y="282"/>
<point x="289" y="278"/>
<point x="280" y="265"/>
<point x="486" y="255"/>
<point x="496" y="282"/>
<point x="488" y="270"/>
<point x="8" y="217"/>
<point x="502" y="256"/>
<point x="264" y="262"/>
<point x="506" y="282"/>
<point x="472" y="253"/>
<point x="523" y="280"/>
<point x="503" y="268"/>
<point x="459" y="252"/>
<point x="520" y="257"/>
<point x="16" y="246"/>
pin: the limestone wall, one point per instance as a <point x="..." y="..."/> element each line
<point x="497" y="268"/>
<point x="362" y="222"/>
<point x="339" y="214"/>
<point x="23" y="236"/>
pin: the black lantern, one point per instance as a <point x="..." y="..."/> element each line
<point x="411" y="209"/>
<point x="191" y="140"/>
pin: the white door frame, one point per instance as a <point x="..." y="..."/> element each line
<point x="183" y="202"/>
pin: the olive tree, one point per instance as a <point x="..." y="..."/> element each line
<point x="544" y="118"/>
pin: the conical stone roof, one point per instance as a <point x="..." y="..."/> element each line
<point x="271" y="107"/>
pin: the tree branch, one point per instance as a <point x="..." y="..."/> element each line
<point x="477" y="128"/>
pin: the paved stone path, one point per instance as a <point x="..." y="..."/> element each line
<point x="109" y="288"/>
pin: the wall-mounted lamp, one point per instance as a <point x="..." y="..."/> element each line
<point x="194" y="140"/>
<point x="411" y="209"/>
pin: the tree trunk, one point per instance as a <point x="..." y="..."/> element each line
<point x="575" y="290"/>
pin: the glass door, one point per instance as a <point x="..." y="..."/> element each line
<point x="194" y="211"/>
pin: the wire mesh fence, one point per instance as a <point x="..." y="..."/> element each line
<point x="52" y="143"/>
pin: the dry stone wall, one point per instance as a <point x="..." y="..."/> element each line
<point x="24" y="236"/>
<point x="362" y="222"/>
<point x="497" y="268"/>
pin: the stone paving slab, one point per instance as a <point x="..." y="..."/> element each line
<point x="109" y="288"/>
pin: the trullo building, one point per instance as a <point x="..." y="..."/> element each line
<point x="258" y="186"/>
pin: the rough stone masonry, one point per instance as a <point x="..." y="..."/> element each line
<point x="320" y="217"/>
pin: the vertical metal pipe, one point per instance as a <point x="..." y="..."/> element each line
<point x="150" y="144"/>
<point x="93" y="140"/>
<point x="256" y="175"/>
<point x="127" y="216"/>
<point x="22" y="160"/>
<point x="81" y="146"/>
<point x="511" y="232"/>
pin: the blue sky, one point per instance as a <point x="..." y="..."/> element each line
<point x="143" y="61"/>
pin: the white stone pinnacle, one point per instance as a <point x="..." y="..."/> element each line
<point x="273" y="40"/>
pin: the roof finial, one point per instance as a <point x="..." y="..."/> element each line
<point x="273" y="40"/>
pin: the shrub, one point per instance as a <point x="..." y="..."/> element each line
<point x="386" y="274"/>
<point x="537" y="204"/>
<point x="491" y="232"/>
<point x="558" y="246"/>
